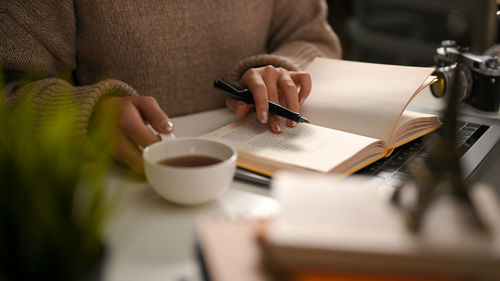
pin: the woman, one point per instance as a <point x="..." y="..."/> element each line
<point x="154" y="57"/>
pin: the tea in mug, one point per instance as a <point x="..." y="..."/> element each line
<point x="190" y="161"/>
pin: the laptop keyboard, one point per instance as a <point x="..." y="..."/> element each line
<point x="393" y="169"/>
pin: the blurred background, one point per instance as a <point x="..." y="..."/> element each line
<point x="407" y="32"/>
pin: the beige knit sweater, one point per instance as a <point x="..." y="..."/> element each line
<point x="169" y="49"/>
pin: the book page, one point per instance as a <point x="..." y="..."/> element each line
<point x="230" y="250"/>
<point x="361" y="98"/>
<point x="305" y="146"/>
<point x="412" y="125"/>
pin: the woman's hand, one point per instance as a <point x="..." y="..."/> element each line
<point x="133" y="114"/>
<point x="275" y="84"/>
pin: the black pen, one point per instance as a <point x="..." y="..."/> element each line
<point x="238" y="92"/>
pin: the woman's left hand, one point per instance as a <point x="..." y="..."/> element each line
<point x="276" y="84"/>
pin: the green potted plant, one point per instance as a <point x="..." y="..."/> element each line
<point x="52" y="198"/>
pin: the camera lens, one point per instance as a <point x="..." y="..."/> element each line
<point x="438" y="88"/>
<point x="446" y="76"/>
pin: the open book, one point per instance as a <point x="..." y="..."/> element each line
<point x="358" y="116"/>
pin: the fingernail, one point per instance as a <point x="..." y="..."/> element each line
<point x="263" y="117"/>
<point x="166" y="125"/>
<point x="293" y="123"/>
<point x="278" y="126"/>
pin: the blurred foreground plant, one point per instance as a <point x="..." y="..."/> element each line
<point x="52" y="198"/>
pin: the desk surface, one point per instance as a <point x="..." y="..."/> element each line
<point x="151" y="239"/>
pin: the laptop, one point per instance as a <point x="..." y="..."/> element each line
<point x="476" y="136"/>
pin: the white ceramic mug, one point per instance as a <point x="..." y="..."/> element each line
<point x="189" y="185"/>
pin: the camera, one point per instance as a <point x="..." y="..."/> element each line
<point x="478" y="76"/>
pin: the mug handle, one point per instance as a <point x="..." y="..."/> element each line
<point x="163" y="137"/>
<point x="166" y="137"/>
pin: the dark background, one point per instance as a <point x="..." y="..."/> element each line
<point x="408" y="32"/>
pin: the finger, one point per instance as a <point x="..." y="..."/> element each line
<point x="289" y="91"/>
<point x="150" y="109"/>
<point x="276" y="124"/>
<point x="238" y="107"/>
<point x="128" y="153"/>
<point x="254" y="82"/>
<point x="132" y="125"/>
<point x="270" y="75"/>
<point x="304" y="82"/>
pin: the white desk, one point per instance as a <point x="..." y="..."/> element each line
<point x="151" y="239"/>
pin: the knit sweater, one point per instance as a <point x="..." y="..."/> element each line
<point x="169" y="49"/>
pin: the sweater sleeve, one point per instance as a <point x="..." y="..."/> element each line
<point x="299" y="32"/>
<point x="38" y="44"/>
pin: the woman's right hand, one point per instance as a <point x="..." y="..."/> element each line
<point x="269" y="83"/>
<point x="130" y="133"/>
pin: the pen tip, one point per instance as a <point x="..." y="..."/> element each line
<point x="303" y="120"/>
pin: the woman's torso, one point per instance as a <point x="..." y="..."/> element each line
<point x="171" y="50"/>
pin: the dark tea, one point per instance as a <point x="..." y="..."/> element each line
<point x="190" y="161"/>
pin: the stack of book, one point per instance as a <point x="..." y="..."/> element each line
<point x="331" y="229"/>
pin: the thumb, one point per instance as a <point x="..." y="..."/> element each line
<point x="154" y="115"/>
